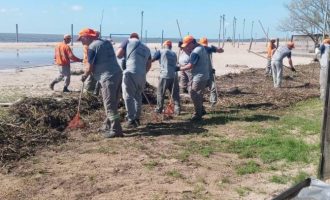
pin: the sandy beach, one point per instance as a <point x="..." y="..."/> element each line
<point x="35" y="81"/>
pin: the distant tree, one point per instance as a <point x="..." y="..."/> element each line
<point x="306" y="17"/>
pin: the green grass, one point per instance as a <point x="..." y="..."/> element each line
<point x="300" y="177"/>
<point x="174" y="173"/>
<point x="151" y="164"/>
<point x="250" y="167"/>
<point x="279" y="179"/>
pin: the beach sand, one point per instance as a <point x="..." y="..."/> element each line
<point x="33" y="82"/>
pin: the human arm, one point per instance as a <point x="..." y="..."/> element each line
<point x="148" y="64"/>
<point x="156" y="56"/>
<point x="122" y="49"/>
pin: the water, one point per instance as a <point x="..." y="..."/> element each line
<point x="26" y="58"/>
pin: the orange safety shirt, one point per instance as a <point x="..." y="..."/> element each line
<point x="63" y="55"/>
<point x="270" y="47"/>
<point x="85" y="49"/>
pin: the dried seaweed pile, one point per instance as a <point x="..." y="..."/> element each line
<point x="36" y="122"/>
<point x="150" y="92"/>
<point x="252" y="89"/>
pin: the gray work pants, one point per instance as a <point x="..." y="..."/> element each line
<point x="133" y="86"/>
<point x="110" y="89"/>
<point x="323" y="81"/>
<point x="65" y="73"/>
<point x="269" y="66"/>
<point x="196" y="94"/>
<point x="173" y="87"/>
<point x="212" y="87"/>
<point x="92" y="85"/>
<point x="277" y="69"/>
<point x="185" y="79"/>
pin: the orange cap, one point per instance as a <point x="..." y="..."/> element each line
<point x="167" y="43"/>
<point x="326" y="41"/>
<point x="134" y="35"/>
<point x="203" y="41"/>
<point x="187" y="40"/>
<point x="290" y="44"/>
<point x="87" y="32"/>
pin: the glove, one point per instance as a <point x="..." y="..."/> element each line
<point x="83" y="78"/>
<point x="213" y="71"/>
<point x="177" y="69"/>
<point x="293" y="69"/>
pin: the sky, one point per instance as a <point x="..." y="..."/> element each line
<point x="199" y="18"/>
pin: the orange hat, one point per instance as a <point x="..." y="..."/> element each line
<point x="203" y="41"/>
<point x="134" y="35"/>
<point x="290" y="45"/>
<point x="167" y="43"/>
<point x="326" y="41"/>
<point x="187" y="40"/>
<point x="87" y="32"/>
<point x="67" y="36"/>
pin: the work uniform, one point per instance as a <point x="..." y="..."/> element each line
<point x="211" y="82"/>
<point x="92" y="86"/>
<point x="277" y="64"/>
<point x="270" y="48"/>
<point x="107" y="72"/>
<point x="134" y="76"/>
<point x="168" y="79"/>
<point x="63" y="55"/>
<point x="324" y="62"/>
<point x="200" y="76"/>
<point x="185" y="76"/>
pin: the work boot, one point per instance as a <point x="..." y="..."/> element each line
<point x="52" y="84"/>
<point x="131" y="124"/>
<point x="196" y="118"/>
<point x="137" y="122"/>
<point x="65" y="89"/>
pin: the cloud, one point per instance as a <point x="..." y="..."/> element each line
<point x="76" y="8"/>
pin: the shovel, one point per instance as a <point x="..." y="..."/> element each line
<point x="77" y="122"/>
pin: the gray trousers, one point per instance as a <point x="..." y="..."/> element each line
<point x="185" y="79"/>
<point x="92" y="85"/>
<point x="269" y="66"/>
<point x="133" y="86"/>
<point x="212" y="88"/>
<point x="323" y="81"/>
<point x="173" y="87"/>
<point x="196" y="94"/>
<point x="65" y="73"/>
<point x="277" y="68"/>
<point x="110" y="89"/>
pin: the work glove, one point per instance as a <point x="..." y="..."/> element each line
<point x="83" y="78"/>
<point x="180" y="44"/>
<point x="293" y="69"/>
<point x="213" y="71"/>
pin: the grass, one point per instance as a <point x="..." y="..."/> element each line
<point x="300" y="177"/>
<point x="151" y="164"/>
<point x="250" y="167"/>
<point x="174" y="173"/>
<point x="279" y="179"/>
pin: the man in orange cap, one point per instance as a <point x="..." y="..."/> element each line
<point x="271" y="47"/>
<point x="198" y="63"/>
<point x="138" y="63"/>
<point x="211" y="83"/>
<point x="277" y="62"/>
<point x="185" y="76"/>
<point x="168" y="79"/>
<point x="324" y="62"/>
<point x="103" y="65"/>
<point x="63" y="55"/>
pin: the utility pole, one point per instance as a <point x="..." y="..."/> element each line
<point x="234" y="30"/>
<point x="162" y="38"/>
<point x="72" y="34"/>
<point x="141" y="25"/>
<point x="224" y="30"/>
<point x="243" y="31"/>
<point x="219" y="37"/>
<point x="101" y="23"/>
<point x="146" y="36"/>
<point x="16" y="33"/>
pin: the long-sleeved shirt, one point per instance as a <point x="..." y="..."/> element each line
<point x="63" y="55"/>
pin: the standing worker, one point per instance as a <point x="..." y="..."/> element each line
<point x="277" y="62"/>
<point x="168" y="79"/>
<point x="324" y="62"/>
<point x="211" y="83"/>
<point x="102" y="63"/>
<point x="185" y="76"/>
<point x="198" y="63"/>
<point x="138" y="63"/>
<point x="63" y="55"/>
<point x="271" y="47"/>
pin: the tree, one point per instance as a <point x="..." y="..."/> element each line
<point x="307" y="17"/>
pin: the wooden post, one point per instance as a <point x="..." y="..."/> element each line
<point x="72" y="34"/>
<point x="324" y="165"/>
<point x="224" y="31"/>
<point x="141" y="25"/>
<point x="219" y="36"/>
<point x="243" y="31"/>
<point x="16" y="33"/>
<point x="146" y="36"/>
<point x="162" y="38"/>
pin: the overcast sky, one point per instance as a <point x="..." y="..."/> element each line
<point x="198" y="17"/>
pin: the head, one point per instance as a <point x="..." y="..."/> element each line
<point x="272" y="40"/>
<point x="326" y="41"/>
<point x="168" y="44"/>
<point x="203" y="41"/>
<point x="87" y="36"/>
<point x="67" y="38"/>
<point x="290" y="45"/>
<point x="188" y="43"/>
<point x="134" y="35"/>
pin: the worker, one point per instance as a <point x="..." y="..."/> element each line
<point x="324" y="62"/>
<point x="271" y="47"/>
<point x="198" y="63"/>
<point x="185" y="76"/>
<point x="211" y="83"/>
<point x="138" y="63"/>
<point x="102" y="63"/>
<point x="63" y="55"/>
<point x="168" y="79"/>
<point x="277" y="62"/>
<point x="92" y="86"/>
